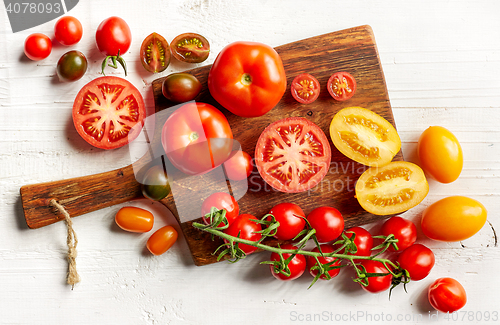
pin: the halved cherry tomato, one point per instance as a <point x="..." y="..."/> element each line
<point x="341" y="86"/>
<point x="197" y="138"/>
<point x="190" y="47"/>
<point x="378" y="283"/>
<point x="155" y="185"/>
<point x="391" y="189"/>
<point x="155" y="53"/>
<point x="418" y="260"/>
<point x="440" y="154"/>
<point x="292" y="155"/>
<point x="162" y="240"/>
<point x="297" y="264"/>
<point x="305" y="88"/>
<point x="238" y="166"/>
<point x="403" y="230"/>
<point x="364" y="136"/>
<point x="220" y="200"/>
<point x="108" y="111"/>
<point x="362" y="239"/>
<point x="243" y="227"/>
<point x="68" y="30"/>
<point x="134" y="219"/>
<point x="247" y="78"/>
<point x="453" y="218"/>
<point x="291" y="219"/>
<point x="180" y="87"/>
<point x="37" y="46"/>
<point x="447" y="295"/>
<point x="328" y="223"/>
<point x="332" y="261"/>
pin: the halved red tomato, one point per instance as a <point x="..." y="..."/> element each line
<point x="341" y="86"/>
<point x="292" y="155"/>
<point x="106" y="110"/>
<point x="155" y="53"/>
<point x="305" y="88"/>
<point x="190" y="47"/>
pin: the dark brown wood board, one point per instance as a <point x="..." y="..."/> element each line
<point x="352" y="50"/>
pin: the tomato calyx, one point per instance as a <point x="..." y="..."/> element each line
<point x="246" y="79"/>
<point x="115" y="59"/>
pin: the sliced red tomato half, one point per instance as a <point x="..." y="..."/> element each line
<point x="305" y="88"/>
<point x="106" y="110"/>
<point x="341" y="86"/>
<point x="292" y="155"/>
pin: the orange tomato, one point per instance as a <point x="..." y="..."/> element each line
<point x="162" y="240"/>
<point x="453" y="218"/>
<point x="440" y="154"/>
<point x="134" y="219"/>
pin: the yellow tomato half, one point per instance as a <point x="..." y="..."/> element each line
<point x="453" y="218"/>
<point x="364" y="136"/>
<point x="391" y="189"/>
<point x="440" y="154"/>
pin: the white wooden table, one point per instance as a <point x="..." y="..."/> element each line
<point x="441" y="61"/>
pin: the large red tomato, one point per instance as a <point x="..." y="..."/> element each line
<point x="292" y="155"/>
<point x="196" y="138"/>
<point x="106" y="110"/>
<point x="247" y="78"/>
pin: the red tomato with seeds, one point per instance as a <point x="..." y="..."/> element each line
<point x="221" y="200"/>
<point x="108" y="112"/>
<point x="243" y="227"/>
<point x="68" y="30"/>
<point x="328" y="223"/>
<point x="403" y="230"/>
<point x="291" y="219"/>
<point x="161" y="240"/>
<point x="297" y="264"/>
<point x="362" y="239"/>
<point x="190" y="47"/>
<point x="113" y="36"/>
<point x="37" y="46"/>
<point x="238" y="166"/>
<point x="418" y="260"/>
<point x="247" y="78"/>
<point x="305" y="88"/>
<point x="341" y="86"/>
<point x="311" y="262"/>
<point x="292" y="155"/>
<point x="380" y="283"/>
<point x="447" y="295"/>
<point x="134" y="219"/>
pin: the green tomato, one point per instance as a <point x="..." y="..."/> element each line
<point x="181" y="87"/>
<point x="155" y="185"/>
<point x="71" y="66"/>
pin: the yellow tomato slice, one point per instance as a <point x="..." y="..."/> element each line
<point x="391" y="189"/>
<point x="364" y="136"/>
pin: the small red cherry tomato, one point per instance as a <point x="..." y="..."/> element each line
<point x="134" y="219"/>
<point x="243" y="227"/>
<point x="297" y="265"/>
<point x="291" y="219"/>
<point x="380" y="283"/>
<point x="220" y="200"/>
<point x="238" y="166"/>
<point x="68" y="30"/>
<point x="418" y="260"/>
<point x="311" y="261"/>
<point x="403" y="230"/>
<point x="37" y="46"/>
<point x="447" y="295"/>
<point x="305" y="88"/>
<point x="362" y="239"/>
<point x="328" y="223"/>
<point x="162" y="240"/>
<point x="341" y="86"/>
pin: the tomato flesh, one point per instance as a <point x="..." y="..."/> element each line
<point x="292" y="155"/>
<point x="106" y="112"/>
<point x="341" y="86"/>
<point x="305" y="88"/>
<point x="190" y="47"/>
<point x="155" y="53"/>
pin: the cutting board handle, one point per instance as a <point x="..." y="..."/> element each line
<point x="78" y="195"/>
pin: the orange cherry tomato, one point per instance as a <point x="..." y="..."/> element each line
<point x="162" y="240"/>
<point x="134" y="219"/>
<point x="453" y="218"/>
<point x="440" y="154"/>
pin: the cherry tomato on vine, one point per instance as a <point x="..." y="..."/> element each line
<point x="243" y="227"/>
<point x="190" y="47"/>
<point x="362" y="239"/>
<point x="113" y="38"/>
<point x="68" y="30"/>
<point x="291" y="219"/>
<point x="440" y="154"/>
<point x="341" y="86"/>
<point x="155" y="53"/>
<point x="403" y="230"/>
<point x="247" y="78"/>
<point x="328" y="223"/>
<point x="447" y="295"/>
<point x="297" y="265"/>
<point x="108" y="112"/>
<point x="379" y="283"/>
<point x="418" y="260"/>
<point x="292" y="155"/>
<point x="311" y="262"/>
<point x="180" y="87"/>
<point x="134" y="219"/>
<point x="161" y="240"/>
<point x="71" y="66"/>
<point x="305" y="88"/>
<point x="37" y="46"/>
<point x="220" y="200"/>
<point x="238" y="166"/>
<point x="155" y="185"/>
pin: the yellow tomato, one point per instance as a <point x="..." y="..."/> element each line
<point x="391" y="189"/>
<point x="453" y="218"/>
<point x="440" y="154"/>
<point x="364" y="136"/>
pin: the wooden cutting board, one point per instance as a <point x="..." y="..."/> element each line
<point x="352" y="50"/>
